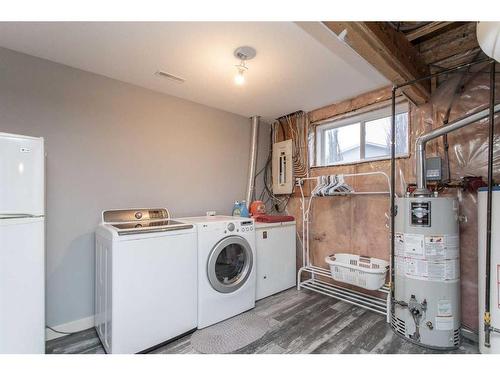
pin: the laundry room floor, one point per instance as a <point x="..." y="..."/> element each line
<point x="300" y="322"/>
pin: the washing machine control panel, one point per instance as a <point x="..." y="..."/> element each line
<point x="239" y="227"/>
<point x="246" y="226"/>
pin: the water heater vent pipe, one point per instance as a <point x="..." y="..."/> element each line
<point x="436" y="133"/>
<point x="252" y="164"/>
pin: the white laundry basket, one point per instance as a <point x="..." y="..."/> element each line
<point x="365" y="272"/>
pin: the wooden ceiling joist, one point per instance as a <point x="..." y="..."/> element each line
<point x="457" y="41"/>
<point x="388" y="51"/>
<point x="426" y="30"/>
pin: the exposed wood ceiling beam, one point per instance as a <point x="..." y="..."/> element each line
<point x="388" y="51"/>
<point x="426" y="29"/>
<point x="457" y="41"/>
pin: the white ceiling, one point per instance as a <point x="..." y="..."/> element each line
<point x="298" y="65"/>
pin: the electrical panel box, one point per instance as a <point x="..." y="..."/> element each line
<point x="283" y="167"/>
<point x="434" y="168"/>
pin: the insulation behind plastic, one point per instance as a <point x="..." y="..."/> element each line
<point x="357" y="224"/>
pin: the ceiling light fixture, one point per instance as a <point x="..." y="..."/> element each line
<point x="244" y="54"/>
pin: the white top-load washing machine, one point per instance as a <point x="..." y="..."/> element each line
<point x="146" y="279"/>
<point x="226" y="267"/>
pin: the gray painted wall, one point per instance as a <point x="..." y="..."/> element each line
<point x="113" y="145"/>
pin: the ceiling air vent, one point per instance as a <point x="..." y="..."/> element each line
<point x="162" y="74"/>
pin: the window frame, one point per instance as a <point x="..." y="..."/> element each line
<point x="362" y="119"/>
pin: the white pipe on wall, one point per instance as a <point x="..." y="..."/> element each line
<point x="252" y="164"/>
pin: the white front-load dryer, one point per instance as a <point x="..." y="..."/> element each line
<point x="226" y="267"/>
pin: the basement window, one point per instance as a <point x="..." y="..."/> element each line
<point x="363" y="137"/>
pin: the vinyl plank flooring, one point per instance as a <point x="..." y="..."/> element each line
<point x="346" y="337"/>
<point x="78" y="343"/>
<point x="296" y="330"/>
<point x="180" y="346"/>
<point x="320" y="330"/>
<point x="373" y="335"/>
<point x="300" y="322"/>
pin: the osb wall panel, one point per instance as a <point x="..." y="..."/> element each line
<point x="358" y="224"/>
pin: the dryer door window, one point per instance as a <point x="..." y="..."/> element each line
<point x="230" y="264"/>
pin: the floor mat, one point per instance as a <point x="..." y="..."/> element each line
<point x="231" y="334"/>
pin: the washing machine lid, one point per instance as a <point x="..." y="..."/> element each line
<point x="136" y="221"/>
<point x="230" y="264"/>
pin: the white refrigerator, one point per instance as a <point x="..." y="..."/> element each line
<point x="22" y="244"/>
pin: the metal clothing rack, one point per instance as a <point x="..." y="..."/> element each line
<point x="367" y="301"/>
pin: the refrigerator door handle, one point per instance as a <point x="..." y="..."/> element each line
<point x="18" y="216"/>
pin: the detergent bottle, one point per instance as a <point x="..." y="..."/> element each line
<point x="237" y="209"/>
<point x="244" y="209"/>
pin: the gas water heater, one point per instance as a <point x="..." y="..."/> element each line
<point x="427" y="271"/>
<point x="425" y="307"/>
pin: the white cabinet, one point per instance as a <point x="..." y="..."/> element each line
<point x="276" y="257"/>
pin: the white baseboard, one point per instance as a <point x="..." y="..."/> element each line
<point x="74" y="326"/>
